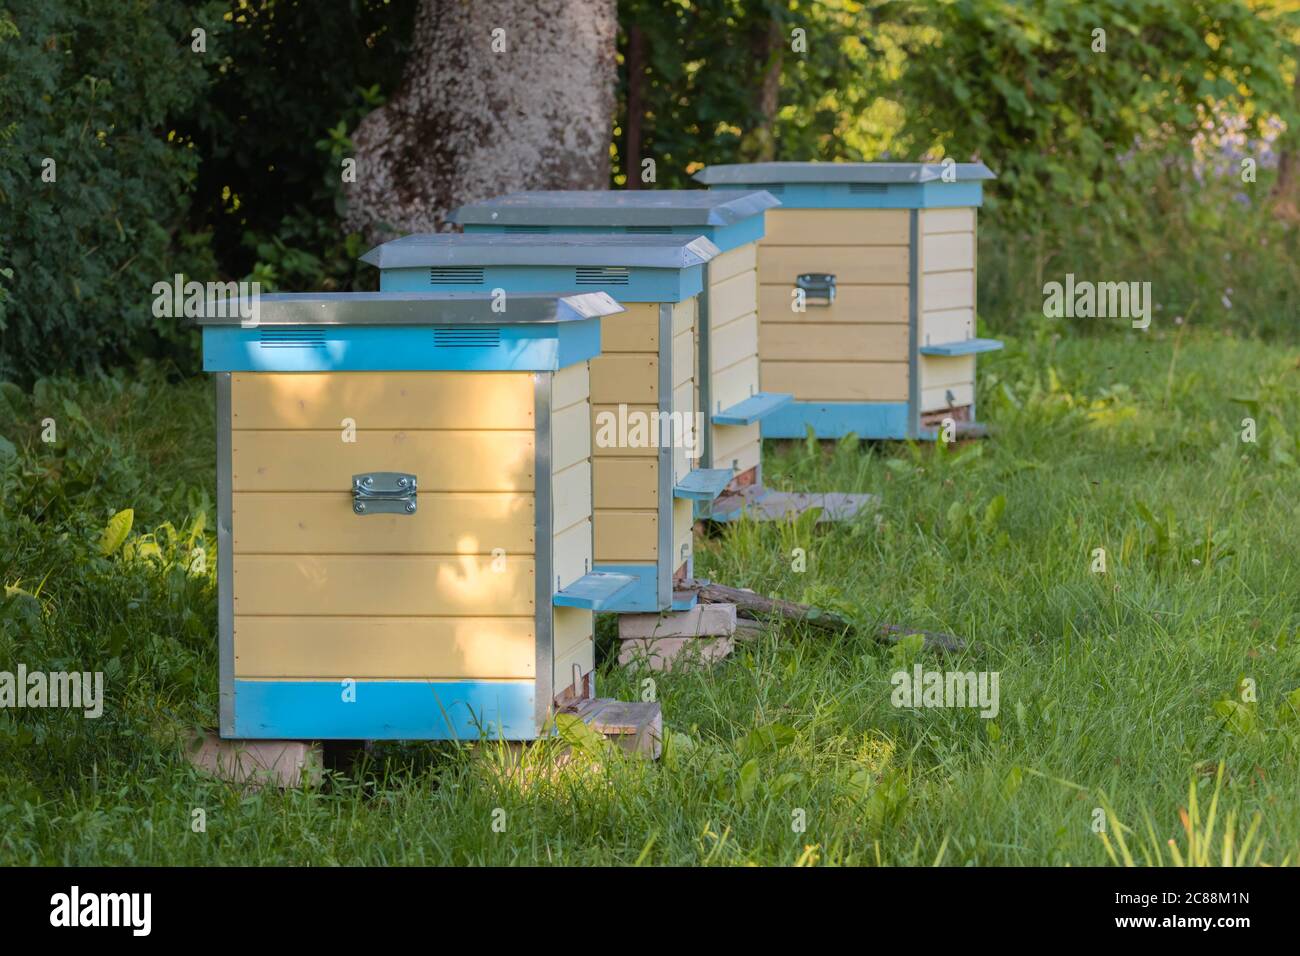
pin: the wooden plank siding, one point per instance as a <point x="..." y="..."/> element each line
<point x="733" y="361"/>
<point x="572" y="556"/>
<point x="321" y="592"/>
<point x="947" y="305"/>
<point x="855" y="350"/>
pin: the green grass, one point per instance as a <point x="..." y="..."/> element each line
<point x="1117" y="689"/>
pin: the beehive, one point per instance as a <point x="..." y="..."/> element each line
<point x="881" y="257"/>
<point x="404" y="517"/>
<point x="643" y="496"/>
<point x="727" y="331"/>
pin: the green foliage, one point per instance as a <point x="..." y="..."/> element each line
<point x="92" y="85"/>
<point x="273" y="132"/>
<point x="1114" y="687"/>
<point x="705" y="65"/>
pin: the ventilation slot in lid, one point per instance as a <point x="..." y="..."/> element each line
<point x="456" y="275"/>
<point x="477" y="337"/>
<point x="650" y="230"/>
<point x="869" y="188"/>
<point x="271" y="337"/>
<point x="601" y="275"/>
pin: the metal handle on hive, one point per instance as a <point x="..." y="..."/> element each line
<point x="384" y="492"/>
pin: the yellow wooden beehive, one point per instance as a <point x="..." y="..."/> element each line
<point x="867" y="295"/>
<point x="404" y="514"/>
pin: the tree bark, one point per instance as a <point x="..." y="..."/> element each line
<point x="635" y="105"/>
<point x="768" y="45"/>
<point x="1286" y="189"/>
<point x="470" y="121"/>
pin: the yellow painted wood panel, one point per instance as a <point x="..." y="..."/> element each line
<point x="936" y="399"/>
<point x="837" y="227"/>
<point x="440" y="460"/>
<point x="570" y="627"/>
<point x="733" y="342"/>
<point x="733" y="262"/>
<point x="947" y="220"/>
<point x="570" y="435"/>
<point x="948" y="290"/>
<point x="636" y="330"/>
<point x="737" y="446"/>
<point x="853" y="303"/>
<point x="626" y="483"/>
<point x="415" y="585"/>
<point x="733" y="298"/>
<point x="838" y="381"/>
<point x="741" y="459"/>
<point x="571" y="495"/>
<point x="946" y="370"/>
<point x="571" y="558"/>
<point x="947" y="252"/>
<point x="626" y="377"/>
<point x="382" y="400"/>
<point x="369" y="648"/>
<point x="734" y="384"/>
<point x="605" y="428"/>
<point x="583" y="655"/>
<point x="626" y="536"/>
<point x="683" y="358"/>
<point x="947" y="325"/>
<point x="683" y="525"/>
<point x="833" y="341"/>
<point x="324" y="523"/>
<point x="569" y="385"/>
<point x="862" y="265"/>
<point x="684" y="315"/>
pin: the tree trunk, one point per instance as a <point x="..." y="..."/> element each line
<point x="635" y="105"/>
<point x="1286" y="189"/>
<point x="471" y="121"/>
<point x="767" y="44"/>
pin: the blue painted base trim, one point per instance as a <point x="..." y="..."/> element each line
<point x="967" y="347"/>
<point x="753" y="409"/>
<point x="595" y="591"/>
<point x="643" y="596"/>
<point x="837" y="419"/>
<point x="385" y="710"/>
<point x="691" y="599"/>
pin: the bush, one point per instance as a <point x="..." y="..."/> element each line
<point x="92" y="184"/>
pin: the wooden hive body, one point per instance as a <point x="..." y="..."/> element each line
<point x="341" y="620"/>
<point x="894" y="350"/>
<point x="646" y="367"/>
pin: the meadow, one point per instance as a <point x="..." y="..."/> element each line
<point x="1122" y="692"/>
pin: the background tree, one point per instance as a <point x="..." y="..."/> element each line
<point x="496" y="96"/>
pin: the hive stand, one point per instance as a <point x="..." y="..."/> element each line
<point x="882" y="256"/>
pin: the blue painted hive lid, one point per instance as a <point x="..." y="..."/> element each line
<point x="761" y="173"/>
<point x="617" y="207"/>
<point x="418" y="308"/>
<point x="488" y="249"/>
